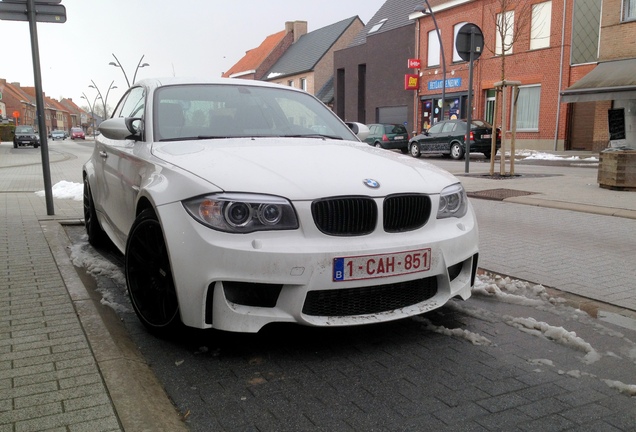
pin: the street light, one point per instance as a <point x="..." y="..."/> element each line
<point x="104" y="100"/>
<point x="429" y="11"/>
<point x="90" y="107"/>
<point x="117" y="63"/>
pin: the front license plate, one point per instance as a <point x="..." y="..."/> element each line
<point x="378" y="266"/>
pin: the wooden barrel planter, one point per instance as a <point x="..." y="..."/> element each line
<point x="617" y="170"/>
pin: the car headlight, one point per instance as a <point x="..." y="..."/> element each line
<point x="242" y="213"/>
<point x="452" y="202"/>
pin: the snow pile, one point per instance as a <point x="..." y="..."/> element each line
<point x="537" y="155"/>
<point x="83" y="255"/>
<point x="473" y="338"/>
<point x="66" y="190"/>
<point x="557" y="334"/>
<point x="512" y="291"/>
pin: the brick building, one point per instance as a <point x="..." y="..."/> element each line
<point x="539" y="38"/>
<point x="609" y="87"/>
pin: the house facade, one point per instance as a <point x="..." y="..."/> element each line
<point x="369" y="73"/>
<point x="308" y="63"/>
<point x="528" y="42"/>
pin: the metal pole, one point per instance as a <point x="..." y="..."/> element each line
<point x="138" y="66"/>
<point x="122" y="69"/>
<point x="469" y="117"/>
<point x="35" y="51"/>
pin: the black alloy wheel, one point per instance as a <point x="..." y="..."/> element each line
<point x="96" y="235"/>
<point x="149" y="276"/>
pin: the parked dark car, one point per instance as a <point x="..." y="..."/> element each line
<point x="58" y="134"/>
<point x="77" y="133"/>
<point x="447" y="137"/>
<point x="388" y="136"/>
<point x="25" y="135"/>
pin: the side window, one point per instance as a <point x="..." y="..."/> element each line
<point x="449" y="127"/>
<point x="436" y="129"/>
<point x="132" y="104"/>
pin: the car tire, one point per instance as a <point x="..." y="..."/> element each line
<point x="378" y="145"/>
<point x="96" y="235"/>
<point x="149" y="276"/>
<point x="456" y="151"/>
<point x="487" y="154"/>
<point x="414" y="150"/>
<point x="15" y="144"/>
<point x="36" y="146"/>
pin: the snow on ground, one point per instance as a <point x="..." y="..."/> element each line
<point x="537" y="155"/>
<point x="65" y="190"/>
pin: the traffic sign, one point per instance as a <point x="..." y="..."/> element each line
<point x="44" y="12"/>
<point x="463" y="42"/>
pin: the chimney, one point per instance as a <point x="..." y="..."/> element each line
<point x="298" y="28"/>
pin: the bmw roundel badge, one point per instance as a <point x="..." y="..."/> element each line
<point x="373" y="184"/>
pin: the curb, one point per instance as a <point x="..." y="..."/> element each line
<point x="139" y="400"/>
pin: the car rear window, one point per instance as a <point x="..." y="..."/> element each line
<point x="394" y="129"/>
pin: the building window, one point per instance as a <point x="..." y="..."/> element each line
<point x="629" y="10"/>
<point x="586" y="29"/>
<point x="456" y="57"/>
<point x="528" y="108"/>
<point x="377" y="27"/>
<point x="290" y="83"/>
<point x="433" y="49"/>
<point x="303" y="83"/>
<point x="490" y="106"/>
<point x="540" y="26"/>
<point x="504" y="33"/>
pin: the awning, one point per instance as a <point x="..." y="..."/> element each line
<point x="612" y="80"/>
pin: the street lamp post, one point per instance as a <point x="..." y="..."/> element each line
<point x="429" y="11"/>
<point x="104" y="100"/>
<point x="90" y="107"/>
<point x="140" y="65"/>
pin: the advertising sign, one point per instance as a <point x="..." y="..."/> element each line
<point x="411" y="82"/>
<point x="414" y="63"/>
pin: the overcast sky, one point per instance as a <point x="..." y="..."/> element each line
<point x="177" y="38"/>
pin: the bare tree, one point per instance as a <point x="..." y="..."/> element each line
<point x="512" y="18"/>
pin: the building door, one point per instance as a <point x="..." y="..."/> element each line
<point x="393" y="115"/>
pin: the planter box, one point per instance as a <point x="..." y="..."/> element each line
<point x="617" y="170"/>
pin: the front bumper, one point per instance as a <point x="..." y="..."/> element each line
<point x="241" y="282"/>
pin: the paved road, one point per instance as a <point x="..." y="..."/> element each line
<point x="515" y="358"/>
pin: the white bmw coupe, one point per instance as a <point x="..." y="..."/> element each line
<point x="242" y="203"/>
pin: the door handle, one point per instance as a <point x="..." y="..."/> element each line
<point x="103" y="154"/>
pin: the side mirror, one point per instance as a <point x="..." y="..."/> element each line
<point x="361" y="130"/>
<point x="122" y="128"/>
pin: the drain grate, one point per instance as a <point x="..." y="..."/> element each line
<point x="498" y="194"/>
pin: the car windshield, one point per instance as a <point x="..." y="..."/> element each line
<point x="206" y="111"/>
<point x="24" y="129"/>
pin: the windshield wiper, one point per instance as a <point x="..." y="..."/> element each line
<point x="321" y="136"/>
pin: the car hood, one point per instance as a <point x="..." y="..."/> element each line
<point x="302" y="168"/>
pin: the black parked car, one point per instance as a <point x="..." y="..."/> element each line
<point x="447" y="137"/>
<point x="25" y="135"/>
<point x="388" y="136"/>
